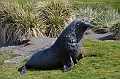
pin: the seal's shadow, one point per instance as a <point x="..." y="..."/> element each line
<point x="109" y="37"/>
<point x="19" y="69"/>
<point x="16" y="43"/>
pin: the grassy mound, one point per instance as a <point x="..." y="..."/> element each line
<point x="102" y="61"/>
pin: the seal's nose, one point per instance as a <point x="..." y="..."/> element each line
<point x="89" y="26"/>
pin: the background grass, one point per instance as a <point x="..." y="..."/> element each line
<point x="102" y="61"/>
<point x="113" y="3"/>
<point x="49" y="18"/>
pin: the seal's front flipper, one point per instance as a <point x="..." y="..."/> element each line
<point x="79" y="57"/>
<point x="23" y="71"/>
<point x="68" y="65"/>
<point x="75" y="60"/>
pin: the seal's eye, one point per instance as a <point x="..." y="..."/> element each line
<point x="85" y="24"/>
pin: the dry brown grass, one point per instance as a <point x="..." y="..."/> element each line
<point x="17" y="24"/>
<point x="55" y="14"/>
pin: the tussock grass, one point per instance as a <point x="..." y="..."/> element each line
<point x="8" y="14"/>
<point x="116" y="30"/>
<point x="101" y="16"/>
<point x="17" y="24"/>
<point x="55" y="14"/>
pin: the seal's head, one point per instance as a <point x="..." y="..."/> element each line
<point x="83" y="23"/>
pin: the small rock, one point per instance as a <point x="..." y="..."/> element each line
<point x="6" y="61"/>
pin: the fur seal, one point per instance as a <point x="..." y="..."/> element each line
<point x="65" y="52"/>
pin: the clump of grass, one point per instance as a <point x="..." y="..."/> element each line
<point x="87" y="12"/>
<point x="101" y="16"/>
<point x="55" y="14"/>
<point x="116" y="30"/>
<point x="8" y="14"/>
<point x="106" y="20"/>
<point x="16" y="24"/>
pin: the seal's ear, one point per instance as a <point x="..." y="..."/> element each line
<point x="77" y="24"/>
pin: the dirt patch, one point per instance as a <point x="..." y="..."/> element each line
<point x="26" y="49"/>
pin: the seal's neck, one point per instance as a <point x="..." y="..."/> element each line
<point x="70" y="34"/>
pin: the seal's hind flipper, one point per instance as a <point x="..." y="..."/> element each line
<point x="68" y="65"/>
<point x="23" y="71"/>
